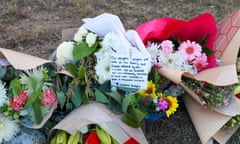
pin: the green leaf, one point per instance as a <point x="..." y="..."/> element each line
<point x="61" y="98"/>
<point x="34" y="83"/>
<point x="82" y="50"/>
<point x="75" y="98"/>
<point x="100" y="97"/>
<point x="37" y="112"/>
<point x="81" y="73"/>
<point x="116" y="96"/>
<point x="207" y="50"/>
<point x="204" y="40"/>
<point x="114" y="106"/>
<point x="127" y="101"/>
<point x="129" y="90"/>
<point x="84" y="97"/>
<point x="103" y="135"/>
<point x="15" y="86"/>
<point x="105" y="87"/>
<point x="32" y="99"/>
<point x="133" y="117"/>
<point x="72" y="69"/>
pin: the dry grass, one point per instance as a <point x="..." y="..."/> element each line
<point x="34" y="27"/>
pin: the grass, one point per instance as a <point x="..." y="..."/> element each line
<point x="34" y="27"/>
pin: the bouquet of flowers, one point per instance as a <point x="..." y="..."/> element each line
<point x="30" y="96"/>
<point x="104" y="63"/>
<point x="91" y="134"/>
<point x="188" y="58"/>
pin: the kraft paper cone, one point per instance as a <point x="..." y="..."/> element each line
<point x="209" y="124"/>
<point x="20" y="60"/>
<point x="96" y="113"/>
<point x="23" y="61"/>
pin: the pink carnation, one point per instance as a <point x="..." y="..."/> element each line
<point x="200" y="62"/>
<point x="162" y="104"/>
<point x="167" y="46"/>
<point x="17" y="102"/>
<point x="49" y="97"/>
<point x="190" y="50"/>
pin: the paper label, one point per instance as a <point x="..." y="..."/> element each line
<point x="129" y="72"/>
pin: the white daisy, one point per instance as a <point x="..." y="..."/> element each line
<point x="108" y="40"/>
<point x="8" y="129"/>
<point x="64" y="53"/>
<point x="3" y="94"/>
<point x="102" y="69"/>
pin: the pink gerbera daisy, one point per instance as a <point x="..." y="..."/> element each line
<point x="167" y="46"/>
<point x="200" y="62"/>
<point x="190" y="50"/>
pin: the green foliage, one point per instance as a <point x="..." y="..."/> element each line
<point x="15" y="86"/>
<point x="37" y="111"/>
<point x="32" y="99"/>
<point x="61" y="98"/>
<point x="75" y="98"/>
<point x="82" y="50"/>
<point x="133" y="117"/>
<point x="101" y="97"/>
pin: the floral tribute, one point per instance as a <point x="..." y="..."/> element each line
<point x="30" y="96"/>
<point x="186" y="46"/>
<point x="88" y="60"/>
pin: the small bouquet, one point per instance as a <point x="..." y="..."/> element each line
<point x="183" y="51"/>
<point x="91" y="134"/>
<point x="158" y="100"/>
<point x="112" y="66"/>
<point x="30" y="96"/>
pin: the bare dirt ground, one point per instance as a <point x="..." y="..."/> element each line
<point x="34" y="27"/>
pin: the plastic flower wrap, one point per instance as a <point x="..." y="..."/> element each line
<point x="30" y="95"/>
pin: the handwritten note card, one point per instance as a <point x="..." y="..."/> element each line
<point x="129" y="72"/>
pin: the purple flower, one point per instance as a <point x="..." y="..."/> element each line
<point x="162" y="104"/>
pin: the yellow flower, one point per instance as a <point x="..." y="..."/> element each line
<point x="150" y="91"/>
<point x="172" y="105"/>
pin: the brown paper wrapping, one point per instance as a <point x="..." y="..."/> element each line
<point x="23" y="61"/>
<point x="209" y="124"/>
<point x="96" y="113"/>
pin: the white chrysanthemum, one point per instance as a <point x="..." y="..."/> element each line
<point x="78" y="37"/>
<point x="3" y="94"/>
<point x="102" y="69"/>
<point x="64" y="53"/>
<point x="36" y="74"/>
<point x="153" y="49"/>
<point x="108" y="40"/>
<point x="91" y="39"/>
<point x="8" y="129"/>
<point x="103" y="53"/>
